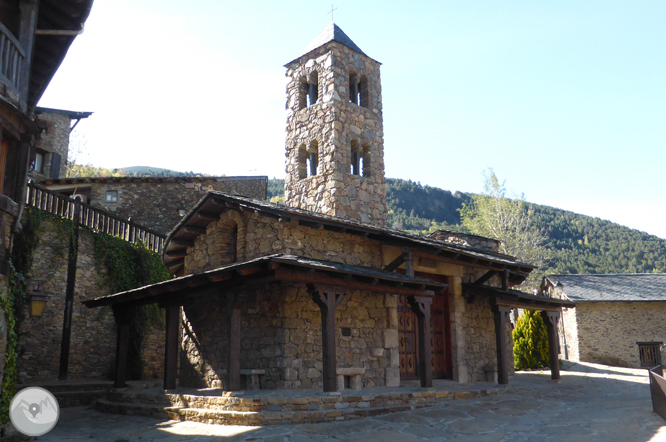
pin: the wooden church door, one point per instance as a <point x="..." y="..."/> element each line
<point x="440" y="338"/>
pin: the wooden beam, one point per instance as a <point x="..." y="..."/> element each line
<point x="177" y="254"/>
<point x="322" y="278"/>
<point x="501" y="314"/>
<point x="233" y="313"/>
<point x="193" y="229"/>
<point x="328" y="298"/>
<point x="208" y="216"/>
<point x="171" y="345"/>
<point x="182" y="243"/>
<point x="551" y="318"/>
<point x="123" y="317"/>
<point x="486" y="277"/>
<point x="421" y="308"/>
<point x="395" y="263"/>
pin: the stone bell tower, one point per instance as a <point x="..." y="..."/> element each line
<point x="335" y="134"/>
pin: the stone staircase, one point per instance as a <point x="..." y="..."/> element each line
<point x="73" y="393"/>
<point x="271" y="408"/>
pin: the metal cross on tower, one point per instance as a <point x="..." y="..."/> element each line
<point x="332" y="9"/>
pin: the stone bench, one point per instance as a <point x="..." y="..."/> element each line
<point x="350" y="377"/>
<point x="249" y="377"/>
<point x="491" y="372"/>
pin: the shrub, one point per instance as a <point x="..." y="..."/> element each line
<point x="530" y="341"/>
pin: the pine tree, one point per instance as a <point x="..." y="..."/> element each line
<point x="530" y="341"/>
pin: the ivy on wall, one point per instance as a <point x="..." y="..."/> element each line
<point x="12" y="306"/>
<point x="130" y="266"/>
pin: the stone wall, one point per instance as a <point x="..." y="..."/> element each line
<point x="334" y="128"/>
<point x="54" y="139"/>
<point x="281" y="333"/>
<point x="153" y="202"/>
<point x="93" y="331"/>
<point x="608" y="332"/>
<point x="260" y="236"/>
<point x="463" y="239"/>
<point x="568" y="335"/>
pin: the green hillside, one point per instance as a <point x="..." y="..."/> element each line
<point x="577" y="243"/>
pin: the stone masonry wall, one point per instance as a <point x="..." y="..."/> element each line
<point x="569" y="339"/>
<point x="93" y="331"/>
<point x="260" y="236"/>
<point x="608" y="331"/>
<point x="332" y="127"/>
<point x="281" y="333"/>
<point x="467" y="240"/>
<point x="154" y="204"/>
<point x="54" y="139"/>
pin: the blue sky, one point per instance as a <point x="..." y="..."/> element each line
<point x="565" y="100"/>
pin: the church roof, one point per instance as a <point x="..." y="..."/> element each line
<point x="210" y="206"/>
<point x="332" y="32"/>
<point x="276" y="267"/>
<point x="620" y="287"/>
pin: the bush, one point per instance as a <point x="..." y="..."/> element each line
<point x="530" y="342"/>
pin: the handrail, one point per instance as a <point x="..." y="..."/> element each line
<point x="11" y="57"/>
<point x="95" y="218"/>
<point x="658" y="390"/>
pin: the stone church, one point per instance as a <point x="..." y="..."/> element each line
<point x="319" y="293"/>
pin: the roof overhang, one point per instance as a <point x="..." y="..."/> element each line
<point x="214" y="204"/>
<point x="514" y="298"/>
<point x="279" y="267"/>
<point x="58" y="24"/>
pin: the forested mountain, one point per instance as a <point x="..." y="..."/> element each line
<point x="577" y="243"/>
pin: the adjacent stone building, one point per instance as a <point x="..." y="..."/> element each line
<point x="157" y="203"/>
<point x="319" y="293"/>
<point x="48" y="158"/>
<point x="618" y="320"/>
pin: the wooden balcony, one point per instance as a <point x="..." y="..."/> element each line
<point x="12" y="56"/>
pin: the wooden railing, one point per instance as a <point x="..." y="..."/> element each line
<point x="658" y="390"/>
<point x="88" y="216"/>
<point x="11" y="57"/>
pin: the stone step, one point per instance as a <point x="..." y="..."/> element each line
<point x="57" y="387"/>
<point x="68" y="399"/>
<point x="235" y="417"/>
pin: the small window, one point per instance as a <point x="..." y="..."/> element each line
<point x="111" y="196"/>
<point x="38" y="165"/>
<point x="649" y="353"/>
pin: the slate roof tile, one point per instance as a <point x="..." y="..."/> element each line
<point x="623" y="287"/>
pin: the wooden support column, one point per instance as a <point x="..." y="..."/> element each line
<point x="501" y="318"/>
<point x="421" y="307"/>
<point x="233" y="379"/>
<point x="69" y="293"/>
<point x="551" y="318"/>
<point x="328" y="298"/>
<point x="123" y="317"/>
<point x="171" y="344"/>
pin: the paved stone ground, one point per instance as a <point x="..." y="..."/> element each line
<point x="591" y="403"/>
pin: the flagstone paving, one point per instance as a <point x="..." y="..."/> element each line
<point x="591" y="403"/>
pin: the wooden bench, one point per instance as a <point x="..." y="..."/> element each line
<point x="350" y="377"/>
<point x="249" y="377"/>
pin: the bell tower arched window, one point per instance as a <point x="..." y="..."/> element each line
<point x="313" y="90"/>
<point x="353" y="88"/>
<point x="363" y="92"/>
<point x="308" y="160"/>
<point x="360" y="159"/>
